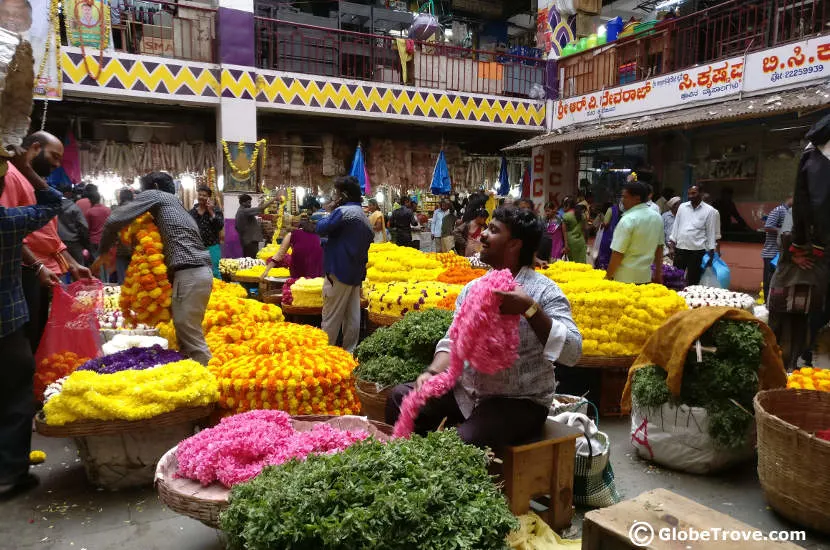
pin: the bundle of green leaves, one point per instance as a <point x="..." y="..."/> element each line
<point x="398" y="354"/>
<point x="724" y="384"/>
<point x="423" y="492"/>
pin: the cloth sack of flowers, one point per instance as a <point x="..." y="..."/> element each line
<point x="677" y="437"/>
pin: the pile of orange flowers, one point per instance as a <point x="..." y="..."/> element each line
<point x="300" y="380"/>
<point x="448" y="302"/>
<point x="460" y="275"/>
<point x="55" y="367"/>
<point x="808" y="378"/>
<point x="147" y="293"/>
<point x="450" y="259"/>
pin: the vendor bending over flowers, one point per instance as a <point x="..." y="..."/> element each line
<point x="512" y="405"/>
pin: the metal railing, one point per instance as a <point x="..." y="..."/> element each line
<point x="160" y="28"/>
<point x="299" y="48"/>
<point x="730" y="29"/>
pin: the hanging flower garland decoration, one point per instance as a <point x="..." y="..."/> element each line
<point x="55" y="367"/>
<point x="131" y="394"/>
<point x="615" y="319"/>
<point x="259" y="145"/>
<point x="242" y="445"/>
<point x="52" y="44"/>
<point x="146" y="294"/>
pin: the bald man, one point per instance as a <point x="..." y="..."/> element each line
<point x="45" y="257"/>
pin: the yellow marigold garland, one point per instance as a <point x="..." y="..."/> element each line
<point x="147" y="293"/>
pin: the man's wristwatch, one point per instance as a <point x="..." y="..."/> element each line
<point x="531" y="311"/>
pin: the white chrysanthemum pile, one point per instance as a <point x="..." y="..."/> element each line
<point x="703" y="296"/>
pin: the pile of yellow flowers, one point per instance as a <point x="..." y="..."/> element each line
<point x="396" y="299"/>
<point x="269" y="251"/>
<point x="450" y="259"/>
<point x="307" y="292"/>
<point x="615" y="319"/>
<point x="258" y="270"/>
<point x="389" y="263"/>
<point x="299" y="380"/>
<point x="147" y="293"/>
<point x="132" y="394"/>
<point x="808" y="378"/>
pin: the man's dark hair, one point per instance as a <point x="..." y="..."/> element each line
<point x="525" y="226"/>
<point x="125" y="195"/>
<point x="245" y="198"/>
<point x="637" y="189"/>
<point x="158" y="180"/>
<point x="94" y="196"/>
<point x="89" y="188"/>
<point x="349" y="187"/>
<point x="668" y="193"/>
<point x="205" y="189"/>
<point x="37" y="137"/>
<point x="481" y="213"/>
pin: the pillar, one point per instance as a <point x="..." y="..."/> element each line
<point x="236" y="119"/>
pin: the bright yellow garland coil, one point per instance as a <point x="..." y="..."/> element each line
<point x="132" y="394"/>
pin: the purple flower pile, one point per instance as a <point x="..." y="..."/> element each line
<point x="132" y="359"/>
<point x="673" y="278"/>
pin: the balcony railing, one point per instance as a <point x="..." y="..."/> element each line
<point x="294" y="47"/>
<point x="183" y="30"/>
<point x="730" y="29"/>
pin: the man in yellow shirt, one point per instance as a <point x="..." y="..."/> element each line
<point x="638" y="240"/>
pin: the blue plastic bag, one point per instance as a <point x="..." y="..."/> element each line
<point x="774" y="261"/>
<point x="719" y="267"/>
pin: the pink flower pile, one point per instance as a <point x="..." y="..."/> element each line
<point x="240" y="446"/>
<point x="481" y="336"/>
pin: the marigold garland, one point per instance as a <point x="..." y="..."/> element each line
<point x="146" y="294"/>
<point x="397" y="298"/>
<point x="809" y="378"/>
<point x="261" y="144"/>
<point x="460" y="275"/>
<point x="307" y="292"/>
<point x="131" y="394"/>
<point x="55" y="367"/>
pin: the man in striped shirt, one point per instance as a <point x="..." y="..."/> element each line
<point x="772" y="228"/>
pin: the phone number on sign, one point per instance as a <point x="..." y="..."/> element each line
<point x="775" y="77"/>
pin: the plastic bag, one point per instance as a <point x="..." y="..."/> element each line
<point x="719" y="267"/>
<point x="537" y="91"/>
<point x="424" y="27"/>
<point x="71" y="337"/>
<point x="710" y="278"/>
<point x="678" y="438"/>
<point x="593" y="254"/>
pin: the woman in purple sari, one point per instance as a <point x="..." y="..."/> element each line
<point x="612" y="218"/>
<point x="306" y="252"/>
<point x="554" y="234"/>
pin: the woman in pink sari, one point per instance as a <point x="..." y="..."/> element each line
<point x="554" y="234"/>
<point x="306" y="252"/>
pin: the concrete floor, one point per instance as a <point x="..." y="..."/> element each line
<point x="65" y="512"/>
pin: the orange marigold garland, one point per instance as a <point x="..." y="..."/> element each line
<point x="460" y="275"/>
<point x="147" y="293"/>
<point x="55" y="367"/>
<point x="448" y="302"/>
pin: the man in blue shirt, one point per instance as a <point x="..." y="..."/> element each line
<point x="18" y="362"/>
<point x="346" y="253"/>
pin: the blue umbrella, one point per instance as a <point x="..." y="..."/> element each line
<point x="441" y="183"/>
<point x="359" y="170"/>
<point x="504" y="181"/>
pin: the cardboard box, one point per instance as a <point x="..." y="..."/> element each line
<point x="584" y="24"/>
<point x="594" y="7"/>
<point x="616" y="527"/>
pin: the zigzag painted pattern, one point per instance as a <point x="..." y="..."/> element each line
<point x="169" y="78"/>
<point x="380" y="99"/>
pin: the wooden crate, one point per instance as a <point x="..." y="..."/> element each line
<point x="593" y="7"/>
<point x="609" y="528"/>
<point x="584" y="24"/>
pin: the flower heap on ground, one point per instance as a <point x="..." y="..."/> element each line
<point x="450" y="259"/>
<point x="460" y="275"/>
<point x="615" y="319"/>
<point x="239" y="447"/>
<point x="307" y="292"/>
<point x="481" y="337"/>
<point x="258" y="270"/>
<point x="390" y="263"/>
<point x="147" y="293"/>
<point x="397" y="299"/>
<point x="131" y="394"/>
<point x="262" y="362"/>
<point x="809" y="378"/>
<point x="702" y="296"/>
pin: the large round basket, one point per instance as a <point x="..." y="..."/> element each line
<point x="120" y="454"/>
<point x="381" y="320"/>
<point x="624" y="361"/>
<point x="189" y="498"/>
<point x="372" y="399"/>
<point x="302" y="311"/>
<point x="794" y="464"/>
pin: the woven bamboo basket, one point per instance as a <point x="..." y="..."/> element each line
<point x="794" y="464"/>
<point x="116" y="427"/>
<point x="189" y="498"/>
<point x="381" y="320"/>
<point x="606" y="362"/>
<point x="372" y="399"/>
<point x="302" y="311"/>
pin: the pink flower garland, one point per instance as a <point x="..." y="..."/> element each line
<point x="239" y="447"/>
<point x="481" y="336"/>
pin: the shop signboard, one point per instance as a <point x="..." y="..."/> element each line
<point x="789" y="65"/>
<point x="705" y="83"/>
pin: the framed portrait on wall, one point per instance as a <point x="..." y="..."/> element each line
<point x="240" y="167"/>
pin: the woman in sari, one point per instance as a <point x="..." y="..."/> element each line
<point x="609" y="224"/>
<point x="553" y="241"/>
<point x="576" y="225"/>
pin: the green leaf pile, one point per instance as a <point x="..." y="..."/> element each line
<point x="398" y="354"/>
<point x="423" y="492"/>
<point x="730" y="374"/>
